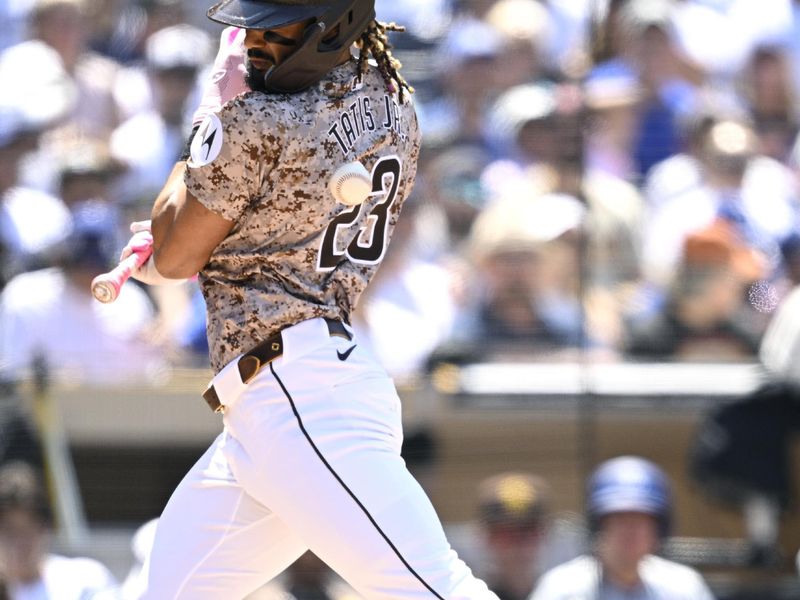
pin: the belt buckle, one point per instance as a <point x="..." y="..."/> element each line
<point x="248" y="366"/>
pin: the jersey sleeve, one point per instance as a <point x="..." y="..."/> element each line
<point x="229" y="156"/>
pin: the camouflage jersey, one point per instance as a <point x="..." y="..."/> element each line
<point x="294" y="252"/>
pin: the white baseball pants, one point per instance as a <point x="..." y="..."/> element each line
<point x="309" y="459"/>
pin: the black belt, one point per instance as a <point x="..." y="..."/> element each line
<point x="250" y="362"/>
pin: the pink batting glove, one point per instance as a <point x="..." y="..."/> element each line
<point x="139" y="242"/>
<point x="227" y="76"/>
<point x="138" y="226"/>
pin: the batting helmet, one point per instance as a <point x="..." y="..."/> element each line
<point x="335" y="25"/>
<point x="514" y="499"/>
<point x="629" y="484"/>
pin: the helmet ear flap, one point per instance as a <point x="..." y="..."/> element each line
<point x="332" y="41"/>
<point x="294" y="71"/>
<point x="316" y="54"/>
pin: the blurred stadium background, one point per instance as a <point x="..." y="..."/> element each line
<point x="601" y="257"/>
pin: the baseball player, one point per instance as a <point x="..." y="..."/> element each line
<point x="629" y="510"/>
<point x="309" y="457"/>
<point x="514" y="512"/>
<point x="27" y="566"/>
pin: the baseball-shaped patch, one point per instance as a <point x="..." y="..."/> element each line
<point x="207" y="142"/>
<point x="351" y="183"/>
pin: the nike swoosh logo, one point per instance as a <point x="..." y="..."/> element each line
<point x="346" y="354"/>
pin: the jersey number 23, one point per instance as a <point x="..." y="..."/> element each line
<point x="369" y="244"/>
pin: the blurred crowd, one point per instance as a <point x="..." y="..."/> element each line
<point x="615" y="180"/>
<point x="518" y="541"/>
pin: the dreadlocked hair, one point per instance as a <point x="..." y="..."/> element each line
<point x="374" y="41"/>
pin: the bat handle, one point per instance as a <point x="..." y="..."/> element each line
<point x="106" y="287"/>
<point x="103" y="290"/>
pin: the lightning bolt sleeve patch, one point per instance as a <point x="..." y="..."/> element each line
<point x="207" y="142"/>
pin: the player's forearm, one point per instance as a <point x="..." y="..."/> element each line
<point x="170" y="263"/>
<point x="163" y="213"/>
<point x="172" y="260"/>
<point x="185" y="233"/>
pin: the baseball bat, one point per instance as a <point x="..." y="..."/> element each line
<point x="106" y="287"/>
<point x="61" y="479"/>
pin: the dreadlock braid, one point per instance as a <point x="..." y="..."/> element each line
<point x="374" y="41"/>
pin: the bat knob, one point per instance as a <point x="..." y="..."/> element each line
<point x="103" y="291"/>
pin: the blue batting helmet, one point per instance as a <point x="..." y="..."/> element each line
<point x="629" y="484"/>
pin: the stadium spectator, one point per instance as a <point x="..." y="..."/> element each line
<point x="534" y="130"/>
<point x="524" y="26"/>
<point x="466" y="61"/>
<point x="682" y="171"/>
<point x="35" y="82"/>
<point x="616" y="207"/>
<point x="768" y="89"/>
<point x="719" y="37"/>
<point x="62" y="25"/>
<point x="119" y="30"/>
<point x="612" y="97"/>
<point x="86" y="171"/>
<point x="513" y="514"/>
<point x="629" y="508"/>
<point x="30" y="223"/>
<point x="410" y="307"/>
<point x="648" y="50"/>
<point x="543" y="125"/>
<point x="49" y="313"/>
<point x="520" y="297"/>
<point x="30" y="570"/>
<point x="30" y="220"/>
<point x="764" y="216"/>
<point x="85" y="174"/>
<point x="706" y="315"/>
<point x="150" y="142"/>
<point x="567" y="46"/>
<point x="451" y="196"/>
